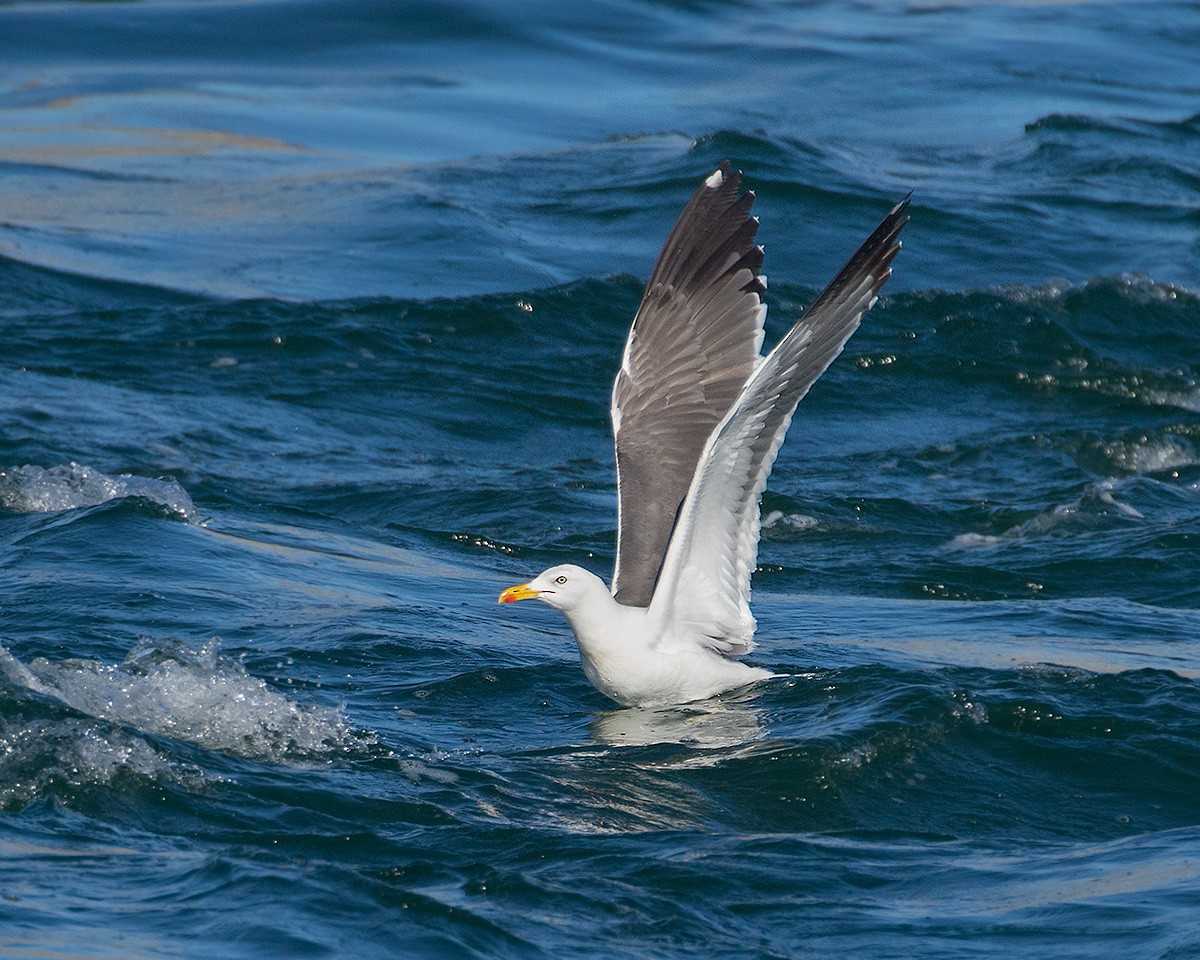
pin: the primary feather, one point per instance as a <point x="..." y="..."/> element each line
<point x="693" y="343"/>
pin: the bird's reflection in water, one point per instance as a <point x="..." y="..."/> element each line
<point x="627" y="778"/>
<point x="714" y="725"/>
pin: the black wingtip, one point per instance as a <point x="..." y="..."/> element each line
<point x="715" y="225"/>
<point x="888" y="231"/>
<point x="872" y="260"/>
<point x="902" y="206"/>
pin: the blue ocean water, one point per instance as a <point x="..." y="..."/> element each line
<point x="310" y="310"/>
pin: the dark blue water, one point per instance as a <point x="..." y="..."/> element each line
<point x="310" y="312"/>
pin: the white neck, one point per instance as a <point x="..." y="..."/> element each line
<point x="607" y="633"/>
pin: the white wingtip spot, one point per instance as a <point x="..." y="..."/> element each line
<point x="763" y="278"/>
<point x="716" y="178"/>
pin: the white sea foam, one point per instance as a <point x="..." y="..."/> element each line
<point x="777" y="519"/>
<point x="39" y="756"/>
<point x="1104" y="492"/>
<point x="1182" y="399"/>
<point x="1098" y="499"/>
<point x="974" y="541"/>
<point x="1146" y="454"/>
<point x="33" y="489"/>
<point x="193" y="695"/>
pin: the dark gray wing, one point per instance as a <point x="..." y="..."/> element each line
<point x="694" y="342"/>
<point x="704" y="591"/>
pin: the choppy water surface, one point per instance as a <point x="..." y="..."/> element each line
<point x="310" y="311"/>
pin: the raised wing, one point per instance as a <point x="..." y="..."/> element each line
<point x="692" y="346"/>
<point x="703" y="593"/>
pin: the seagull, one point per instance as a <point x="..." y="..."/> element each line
<point x="698" y="417"/>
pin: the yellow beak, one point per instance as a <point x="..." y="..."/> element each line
<point x="520" y="592"/>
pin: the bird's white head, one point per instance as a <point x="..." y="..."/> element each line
<point x="566" y="587"/>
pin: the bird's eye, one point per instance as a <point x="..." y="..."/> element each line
<point x="560" y="579"/>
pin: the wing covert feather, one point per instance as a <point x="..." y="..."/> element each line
<point x="693" y="344"/>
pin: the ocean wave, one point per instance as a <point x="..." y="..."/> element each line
<point x="33" y="489"/>
<point x="1097" y="501"/>
<point x="1050" y="338"/>
<point x="63" y="755"/>
<point x="1075" y="122"/>
<point x="194" y="695"/>
<point x="1168" y="450"/>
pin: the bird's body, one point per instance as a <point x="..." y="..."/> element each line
<point x="632" y="654"/>
<point x="698" y="418"/>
